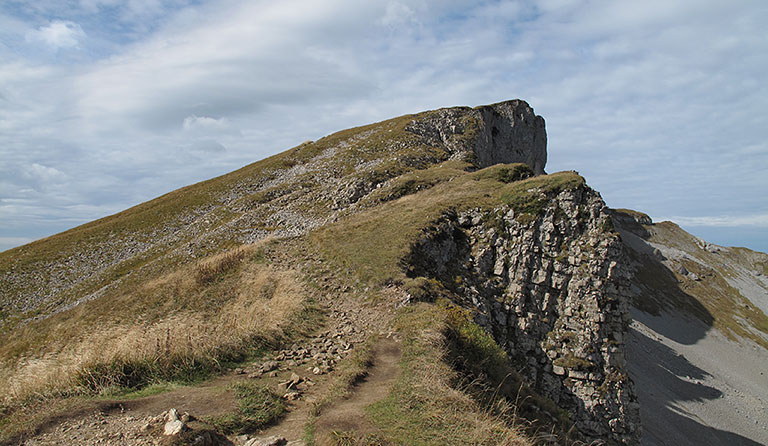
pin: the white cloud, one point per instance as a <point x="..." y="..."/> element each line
<point x="660" y="105"/>
<point x="756" y="220"/>
<point x="43" y="173"/>
<point x="58" y="34"/>
<point x="208" y="125"/>
<point x="398" y="14"/>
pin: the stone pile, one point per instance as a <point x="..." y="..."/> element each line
<point x="319" y="356"/>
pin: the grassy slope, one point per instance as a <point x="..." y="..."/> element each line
<point x="240" y="278"/>
<point x="176" y="216"/>
<point x="157" y="293"/>
<point x="180" y="326"/>
<point x="372" y="243"/>
<point x="151" y="291"/>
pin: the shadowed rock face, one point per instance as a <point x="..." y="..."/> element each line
<point x="501" y="133"/>
<point x="511" y="133"/>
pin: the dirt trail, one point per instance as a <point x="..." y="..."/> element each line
<point x="349" y="415"/>
<point x="292" y="425"/>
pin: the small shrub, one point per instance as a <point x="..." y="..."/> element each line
<point x="471" y="158"/>
<point x="496" y="221"/>
<point x="608" y="225"/>
<point x="267" y="291"/>
<point x="422" y="289"/>
<point x="571" y="361"/>
<point x="515" y="173"/>
<point x="560" y="214"/>
<point x="474" y="345"/>
<point x="405" y="188"/>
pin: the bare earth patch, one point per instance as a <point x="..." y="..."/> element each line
<point x="348" y="415"/>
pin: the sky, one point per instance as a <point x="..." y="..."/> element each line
<point x="661" y="105"/>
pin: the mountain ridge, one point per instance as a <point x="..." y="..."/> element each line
<point x="445" y="217"/>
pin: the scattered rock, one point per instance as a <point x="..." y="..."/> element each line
<point x="292" y="396"/>
<point x="174" y="427"/>
<point x="174" y="424"/>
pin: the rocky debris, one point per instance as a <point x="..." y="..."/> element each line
<point x="553" y="291"/>
<point x="103" y="429"/>
<point x="318" y="356"/>
<point x="709" y="247"/>
<point x="291" y="383"/>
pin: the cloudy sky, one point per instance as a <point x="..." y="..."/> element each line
<point x="662" y="105"/>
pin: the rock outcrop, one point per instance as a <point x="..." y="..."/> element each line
<point x="502" y="133"/>
<point x="552" y="291"/>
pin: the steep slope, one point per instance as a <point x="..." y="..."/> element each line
<point x="535" y="261"/>
<point x="697" y="346"/>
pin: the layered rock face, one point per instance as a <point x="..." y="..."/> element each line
<point x="551" y="290"/>
<point x="506" y="132"/>
<point x="512" y="133"/>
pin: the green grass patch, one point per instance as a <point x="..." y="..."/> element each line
<point x="412" y="182"/>
<point x="258" y="406"/>
<point x="152" y="389"/>
<point x="507" y="173"/>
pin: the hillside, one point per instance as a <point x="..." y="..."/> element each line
<point x="699" y="336"/>
<point x="416" y="281"/>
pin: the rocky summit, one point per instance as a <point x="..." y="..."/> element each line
<point x="417" y="281"/>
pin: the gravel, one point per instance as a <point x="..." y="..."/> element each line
<point x="695" y="386"/>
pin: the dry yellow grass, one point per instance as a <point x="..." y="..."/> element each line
<point x="250" y="299"/>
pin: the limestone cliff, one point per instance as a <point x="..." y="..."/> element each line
<point x="551" y="288"/>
